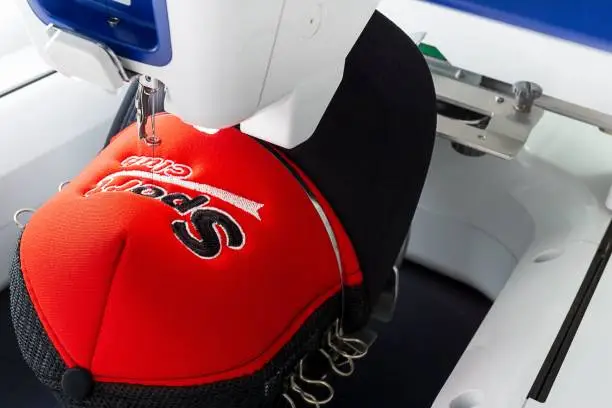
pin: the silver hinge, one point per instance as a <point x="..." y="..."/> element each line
<point x="490" y="116"/>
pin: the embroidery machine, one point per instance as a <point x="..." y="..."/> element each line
<point x="516" y="205"/>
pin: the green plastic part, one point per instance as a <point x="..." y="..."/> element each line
<point x="431" y="51"/>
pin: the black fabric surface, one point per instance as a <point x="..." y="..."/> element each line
<point x="434" y="321"/>
<point x="370" y="154"/>
<point x="19" y="388"/>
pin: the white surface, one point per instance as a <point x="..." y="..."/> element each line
<point x="506" y="353"/>
<point x="217" y="80"/>
<point x="19" y="61"/>
<point x="265" y="52"/>
<point x="78" y="57"/>
<point x="13" y="36"/>
<point x="565" y="70"/>
<point x="543" y="211"/>
<point x="306" y="67"/>
<point x="467" y="217"/>
<point x="551" y="194"/>
<point x="460" y="250"/>
<point x="53" y="128"/>
<point x="20" y="67"/>
<point x="294" y="119"/>
<point x="220" y="54"/>
<point x="45" y="116"/>
<point x="314" y="37"/>
<point x="584" y="378"/>
<point x="546" y="210"/>
<point x="232" y="59"/>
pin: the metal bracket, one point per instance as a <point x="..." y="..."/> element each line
<point x="502" y="128"/>
<point x="507" y="113"/>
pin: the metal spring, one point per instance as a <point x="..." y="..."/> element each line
<point x="340" y="351"/>
<point x="17" y="217"/>
<point x="19" y="214"/>
<point x="62" y="185"/>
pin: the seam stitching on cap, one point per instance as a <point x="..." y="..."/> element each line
<point x="115" y="264"/>
<point x="55" y="340"/>
<point x="303" y="313"/>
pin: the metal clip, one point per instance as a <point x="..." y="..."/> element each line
<point x="340" y="343"/>
<point x="304" y="387"/>
<point x="18" y="215"/>
<point x="338" y="367"/>
<point x="308" y="397"/>
<point x="62" y="185"/>
<point x="323" y="385"/>
<point x="145" y="109"/>
<point x="339" y="351"/>
<point x="289" y="400"/>
<point x="342" y="351"/>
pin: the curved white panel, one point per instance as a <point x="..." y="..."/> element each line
<point x="547" y="209"/>
<point x="13" y="36"/>
<point x="49" y="131"/>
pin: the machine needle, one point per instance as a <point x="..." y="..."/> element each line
<point x="145" y="110"/>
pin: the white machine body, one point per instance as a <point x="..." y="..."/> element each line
<point x="523" y="232"/>
<point x="272" y="65"/>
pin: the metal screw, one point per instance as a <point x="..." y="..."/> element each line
<point x="499" y="99"/>
<point x="482" y="137"/>
<point x="113" y="21"/>
<point x="525" y="93"/>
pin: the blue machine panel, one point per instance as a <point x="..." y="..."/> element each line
<point x="587" y="22"/>
<point x="137" y="30"/>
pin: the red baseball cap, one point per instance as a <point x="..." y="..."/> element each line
<point x="196" y="273"/>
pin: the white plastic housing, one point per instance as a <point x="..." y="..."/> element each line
<point x="78" y="57"/>
<point x="272" y="64"/>
<point x="523" y="232"/>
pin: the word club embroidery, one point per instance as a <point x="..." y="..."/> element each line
<point x="206" y="220"/>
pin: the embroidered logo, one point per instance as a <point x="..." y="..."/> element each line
<point x="202" y="233"/>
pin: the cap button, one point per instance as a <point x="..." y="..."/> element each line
<point x="77" y="383"/>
